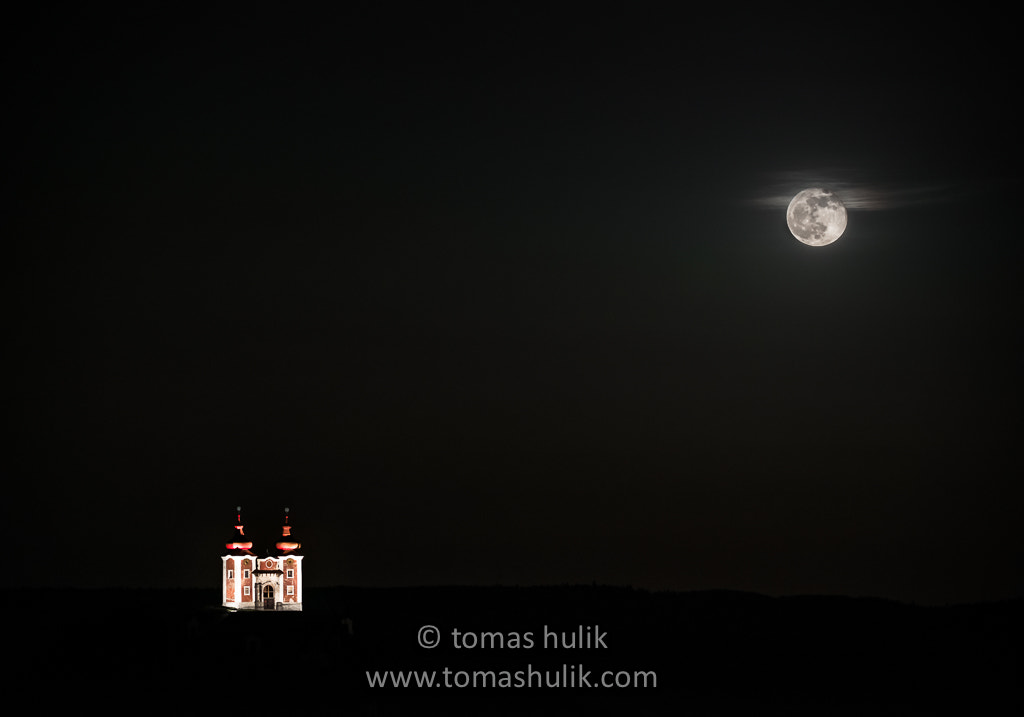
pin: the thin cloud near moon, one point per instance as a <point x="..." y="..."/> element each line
<point x="779" y="190"/>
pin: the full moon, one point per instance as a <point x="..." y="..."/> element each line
<point x="816" y="217"/>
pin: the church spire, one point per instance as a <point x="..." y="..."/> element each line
<point x="287" y="543"/>
<point x="240" y="541"/>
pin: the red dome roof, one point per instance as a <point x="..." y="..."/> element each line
<point x="288" y="542"/>
<point x="239" y="543"/>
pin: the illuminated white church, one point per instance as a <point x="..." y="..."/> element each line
<point x="262" y="582"/>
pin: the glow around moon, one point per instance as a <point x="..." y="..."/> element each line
<point x="816" y="217"/>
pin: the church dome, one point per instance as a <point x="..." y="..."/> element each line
<point x="287" y="542"/>
<point x="239" y="542"/>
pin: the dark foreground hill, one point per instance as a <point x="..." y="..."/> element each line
<point x="511" y="650"/>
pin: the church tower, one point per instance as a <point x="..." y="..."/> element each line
<point x="290" y="564"/>
<point x="237" y="591"/>
<point x="262" y="582"/>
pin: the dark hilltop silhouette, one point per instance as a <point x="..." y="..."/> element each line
<point x="712" y="652"/>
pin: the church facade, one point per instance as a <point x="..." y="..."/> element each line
<point x="271" y="581"/>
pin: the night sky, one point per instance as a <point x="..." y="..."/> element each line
<point x="497" y="296"/>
